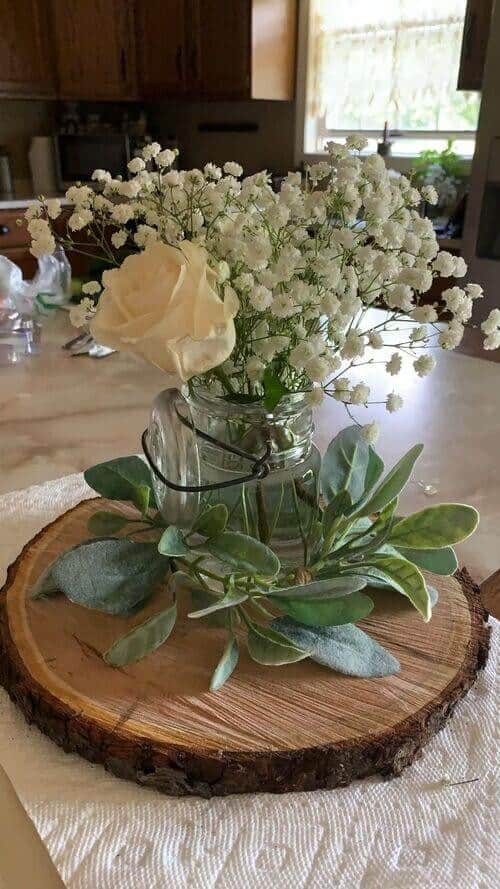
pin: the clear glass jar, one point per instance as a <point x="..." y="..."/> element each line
<point x="278" y="509"/>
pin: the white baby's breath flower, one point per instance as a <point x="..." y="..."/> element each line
<point x="166" y="157"/>
<point x="492" y="341"/>
<point x="91" y="287"/>
<point x="370" y="432"/>
<point x="317" y="369"/>
<point x="424" y="365"/>
<point x="375" y="339"/>
<point x="492" y="322"/>
<point x="260" y="298"/>
<point x="427" y="314"/>
<point x="54" y="207"/>
<point x="233" y="169"/>
<point x="82" y="314"/>
<point x="151" y="151"/>
<point x="418" y="333"/>
<point x="80" y="219"/>
<point x="136" y="165"/>
<point x="354" y="346"/>
<point x="360" y="393"/>
<point x="255" y="369"/>
<point x="145" y="236"/>
<point x="444" y="264"/>
<point x="452" y="336"/>
<point x="315" y="396"/>
<point x="342" y="390"/>
<point x="394" y="403"/>
<point x="475" y="291"/>
<point x="393" y="366"/>
<point x="460" y="267"/>
<point x="430" y="194"/>
<point x="118" y="239"/>
<point x="122" y="213"/>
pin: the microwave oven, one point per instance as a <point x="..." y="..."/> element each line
<point x="78" y="155"/>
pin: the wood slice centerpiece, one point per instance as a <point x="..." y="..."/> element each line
<point x="277" y="729"/>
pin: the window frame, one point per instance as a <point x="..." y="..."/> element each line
<point x="402" y="163"/>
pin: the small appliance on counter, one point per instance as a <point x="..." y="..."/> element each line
<point x="79" y="154"/>
<point x="43" y="165"/>
<point x="6" y="185"/>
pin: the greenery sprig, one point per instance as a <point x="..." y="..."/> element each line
<point x="357" y="544"/>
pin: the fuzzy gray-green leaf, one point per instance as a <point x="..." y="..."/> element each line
<point x="405" y="577"/>
<point x="142" y="639"/>
<point x="172" y="543"/>
<point x="435" y="527"/>
<point x="226" y="665"/>
<point x="393" y="483"/>
<point x="330" y="588"/>
<point x="344" y="465"/>
<point x="244" y="553"/>
<point x="213" y="521"/>
<point x="328" y="612"/>
<point x="103" y="523"/>
<point x="111" y="574"/>
<point x="439" y="561"/>
<point x="267" y="646"/>
<point x="126" y="478"/>
<point x="346" y="649"/>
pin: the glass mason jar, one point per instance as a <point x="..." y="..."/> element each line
<point x="280" y="508"/>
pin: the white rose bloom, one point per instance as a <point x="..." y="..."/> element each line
<point x="91" y="287"/>
<point x="424" y="365"/>
<point x="370" y="432"/>
<point x="162" y="304"/>
<point x="394" y="403"/>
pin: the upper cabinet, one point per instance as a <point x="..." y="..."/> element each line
<point x="25" y="57"/>
<point x="474" y="44"/>
<point x="94" y="47"/>
<point x="144" y="49"/>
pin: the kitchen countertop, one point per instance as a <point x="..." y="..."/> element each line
<point x="60" y="414"/>
<point x="22" y="202"/>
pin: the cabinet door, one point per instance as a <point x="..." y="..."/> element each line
<point x="474" y="44"/>
<point x="95" y="49"/>
<point x="161" y="47"/>
<point x="219" y="49"/>
<point x="25" y="58"/>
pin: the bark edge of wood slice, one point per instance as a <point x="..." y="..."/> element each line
<point x="156" y="723"/>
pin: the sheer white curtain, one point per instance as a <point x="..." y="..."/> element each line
<point x="395" y="60"/>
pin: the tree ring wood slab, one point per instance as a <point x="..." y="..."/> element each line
<point x="275" y="729"/>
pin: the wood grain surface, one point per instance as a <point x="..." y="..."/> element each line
<point x="278" y="729"/>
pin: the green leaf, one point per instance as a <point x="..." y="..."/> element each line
<point x="266" y="646"/>
<point x="335" y="512"/>
<point x="233" y="597"/>
<point x="103" y="523"/>
<point x="344" y="465"/>
<point x="345" y="649"/>
<point x="126" y="478"/>
<point x="326" y="612"/>
<point x="393" y="483"/>
<point x="244" y="553"/>
<point x="274" y="390"/>
<point x="406" y="578"/>
<point x="143" y="639"/>
<point x="111" y="574"/>
<point x="320" y="589"/>
<point x="439" y="561"/>
<point x="374" y="469"/>
<point x="45" y="586"/>
<point x="181" y="582"/>
<point x="226" y="665"/>
<point x="212" y="521"/>
<point x="172" y="543"/>
<point x="435" y="527"/>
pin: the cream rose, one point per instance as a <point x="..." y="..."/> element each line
<point x="163" y="304"/>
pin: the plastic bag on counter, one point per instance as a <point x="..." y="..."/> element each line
<point x="47" y="290"/>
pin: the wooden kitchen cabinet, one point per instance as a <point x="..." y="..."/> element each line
<point x="26" y="67"/>
<point x="474" y="44"/>
<point x="95" y="51"/>
<point x="212" y="49"/>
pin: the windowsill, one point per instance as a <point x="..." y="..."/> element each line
<point x="402" y="163"/>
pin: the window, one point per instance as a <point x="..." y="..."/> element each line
<point x="372" y="61"/>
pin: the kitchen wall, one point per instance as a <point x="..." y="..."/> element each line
<point x="20" y="119"/>
<point x="269" y="145"/>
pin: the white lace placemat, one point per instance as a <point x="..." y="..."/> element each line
<point x="104" y="833"/>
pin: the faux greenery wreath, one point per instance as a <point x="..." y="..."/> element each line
<point x="357" y="544"/>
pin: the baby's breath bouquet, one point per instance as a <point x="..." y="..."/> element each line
<point x="259" y="294"/>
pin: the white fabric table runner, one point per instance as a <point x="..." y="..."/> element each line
<point x="104" y="833"/>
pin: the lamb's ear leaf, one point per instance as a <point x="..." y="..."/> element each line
<point x="346" y="649"/>
<point x="244" y="553"/>
<point x="344" y="465"/>
<point x="328" y="612"/>
<point x="142" y="639"/>
<point x="435" y="527"/>
<point x="103" y="523"/>
<point x="112" y="574"/>
<point x="267" y="646"/>
<point x="394" y="482"/>
<point x="438" y="561"/>
<point x="172" y="543"/>
<point x="126" y="478"/>
<point x="212" y="521"/>
<point x="44" y="586"/>
<point x="226" y="665"/>
<point x="404" y="577"/>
